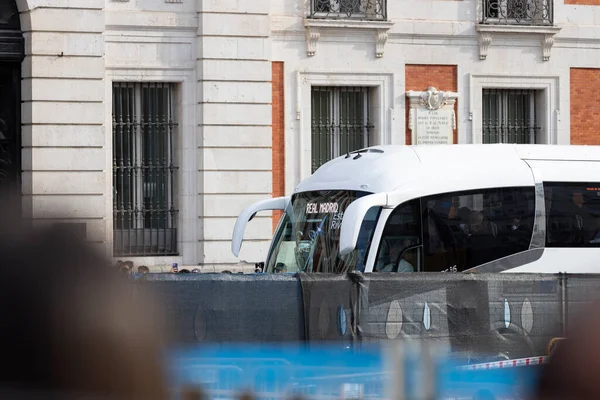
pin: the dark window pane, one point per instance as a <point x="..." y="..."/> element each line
<point x="402" y="232"/>
<point x="572" y="214"/>
<point x="143" y="169"/>
<point x="463" y="230"/>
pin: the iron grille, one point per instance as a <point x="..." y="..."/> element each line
<point x="340" y="122"/>
<point x="144" y="170"/>
<point x="356" y="9"/>
<point x="509" y="116"/>
<point x="518" y="12"/>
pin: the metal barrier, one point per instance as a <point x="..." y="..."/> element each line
<point x="485" y="317"/>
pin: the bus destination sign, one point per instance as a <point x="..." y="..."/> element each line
<point x="322" y="208"/>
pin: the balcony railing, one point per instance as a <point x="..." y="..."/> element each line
<point x="371" y="10"/>
<point x="518" y="12"/>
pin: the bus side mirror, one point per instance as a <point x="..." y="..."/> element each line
<point x="279" y="203"/>
<point x="353" y="218"/>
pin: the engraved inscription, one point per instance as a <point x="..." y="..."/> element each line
<point x="434" y="126"/>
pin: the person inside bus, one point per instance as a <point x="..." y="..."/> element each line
<point x="579" y="208"/>
<point x="393" y="250"/>
<point x="517" y="235"/>
<point x="571" y="220"/>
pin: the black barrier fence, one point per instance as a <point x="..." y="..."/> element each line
<point x="494" y="316"/>
<point x="230" y="308"/>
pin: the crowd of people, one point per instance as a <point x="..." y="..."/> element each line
<point x="127" y="268"/>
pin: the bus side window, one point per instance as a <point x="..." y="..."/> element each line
<point x="365" y="236"/>
<point x="572" y="214"/>
<point x="399" y="249"/>
<point x="463" y="230"/>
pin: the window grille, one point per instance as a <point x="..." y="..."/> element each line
<point x="340" y="123"/>
<point x="349" y="9"/>
<point x="509" y="116"/>
<point x="144" y="169"/>
<point x="518" y="12"/>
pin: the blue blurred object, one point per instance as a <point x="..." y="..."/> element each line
<point x="333" y="370"/>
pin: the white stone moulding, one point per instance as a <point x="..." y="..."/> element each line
<point x="314" y="28"/>
<point x="431" y="99"/>
<point x="485" y="33"/>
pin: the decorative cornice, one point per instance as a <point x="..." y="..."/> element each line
<point x="314" y="28"/>
<point x="525" y="29"/>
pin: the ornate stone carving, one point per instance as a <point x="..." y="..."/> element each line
<point x="432" y="119"/>
<point x="312" y="37"/>
<point x="382" y="38"/>
<point x="433" y="99"/>
<point x="411" y="119"/>
<point x="547" y="43"/>
<point x="485" y="39"/>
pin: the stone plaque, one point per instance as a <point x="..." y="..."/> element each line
<point x="432" y="119"/>
<point x="434" y="126"/>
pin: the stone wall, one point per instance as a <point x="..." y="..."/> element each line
<point x="63" y="114"/>
<point x="244" y="74"/>
<point x="234" y="131"/>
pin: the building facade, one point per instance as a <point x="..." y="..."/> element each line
<point x="150" y="125"/>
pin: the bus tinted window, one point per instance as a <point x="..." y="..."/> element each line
<point x="572" y="214"/>
<point x="402" y="232"/>
<point x="462" y="230"/>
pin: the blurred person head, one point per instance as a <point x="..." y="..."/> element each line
<point x="142" y="269"/>
<point x="571" y="372"/>
<point x="192" y="393"/>
<point x="129" y="265"/>
<point x="70" y="328"/>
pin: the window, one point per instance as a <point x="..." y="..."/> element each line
<point x="400" y="247"/>
<point x="307" y="239"/>
<point x="466" y="229"/>
<point x="360" y="9"/>
<point x="144" y="169"/>
<point x="340" y="123"/>
<point x="510" y="116"/>
<point x="572" y="214"/>
<point x="518" y="12"/>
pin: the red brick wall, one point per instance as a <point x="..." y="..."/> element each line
<point x="584" y="2"/>
<point x="278" y="135"/>
<point x="420" y="77"/>
<point x="585" y="117"/>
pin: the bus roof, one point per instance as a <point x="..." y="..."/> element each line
<point x="435" y="168"/>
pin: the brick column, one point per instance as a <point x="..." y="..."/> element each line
<point x="584" y="116"/>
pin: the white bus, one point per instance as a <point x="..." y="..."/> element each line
<point x="459" y="208"/>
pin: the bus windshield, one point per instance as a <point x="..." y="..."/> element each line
<point x="308" y="235"/>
